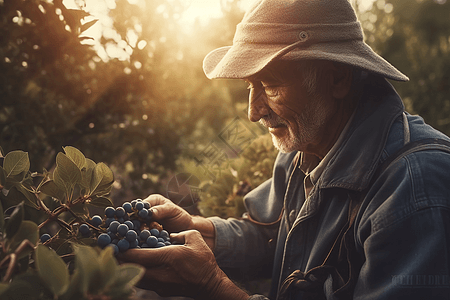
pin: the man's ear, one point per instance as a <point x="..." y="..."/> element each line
<point x="340" y="79"/>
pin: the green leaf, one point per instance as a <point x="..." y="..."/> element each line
<point x="28" y="230"/>
<point x="3" y="288"/>
<point x="86" y="174"/>
<point x="108" y="266"/>
<point x="51" y="189"/>
<point x="101" y="202"/>
<point x="102" y="177"/>
<point x="87" y="25"/>
<point x="80" y="209"/>
<point x="2" y="217"/>
<point x="127" y="276"/>
<point x="66" y="174"/>
<point x="86" y="261"/>
<point x="14" y="221"/>
<point x="52" y="269"/>
<point x="16" y="163"/>
<point x="30" y="198"/>
<point x="76" y="156"/>
<point x="3" y="176"/>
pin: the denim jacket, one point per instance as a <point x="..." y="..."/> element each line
<point x="402" y="229"/>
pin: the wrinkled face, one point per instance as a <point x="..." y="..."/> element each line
<point x="295" y="116"/>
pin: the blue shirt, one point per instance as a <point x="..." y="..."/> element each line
<point x="402" y="230"/>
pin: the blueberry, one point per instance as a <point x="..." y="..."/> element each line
<point x="131" y="235"/>
<point x="139" y="205"/>
<point x="108" y="221"/>
<point x="123" y="245"/>
<point x="121" y="220"/>
<point x="129" y="224"/>
<point x="160" y="239"/>
<point x="122" y="229"/>
<point x="115" y="241"/>
<point x="152" y="241"/>
<point x="113" y="226"/>
<point x="112" y="235"/>
<point x="144" y="245"/>
<point x="144" y="234"/>
<point x="167" y="243"/>
<point x="45" y="237"/>
<point x="133" y="203"/>
<point x="143" y="213"/>
<point x="96" y="220"/>
<point x="120" y="212"/>
<point x="134" y="244"/>
<point x="110" y="212"/>
<point x="103" y="240"/>
<point x="146" y="205"/>
<point x="84" y="230"/>
<point x="154" y="232"/>
<point x="160" y="244"/>
<point x="115" y="248"/>
<point x="164" y="234"/>
<point x="127" y="207"/>
<point x="137" y="224"/>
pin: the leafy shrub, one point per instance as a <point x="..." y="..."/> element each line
<point x="67" y="265"/>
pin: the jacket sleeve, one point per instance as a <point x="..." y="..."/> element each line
<point x="404" y="232"/>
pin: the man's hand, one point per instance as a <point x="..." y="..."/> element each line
<point x="175" y="219"/>
<point x="184" y="270"/>
<point x="171" y="216"/>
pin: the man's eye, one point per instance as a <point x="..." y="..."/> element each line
<point x="271" y="91"/>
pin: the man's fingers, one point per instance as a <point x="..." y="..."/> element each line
<point x="187" y="237"/>
<point x="156" y="199"/>
<point x="149" y="258"/>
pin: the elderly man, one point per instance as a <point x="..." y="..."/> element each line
<point x="359" y="203"/>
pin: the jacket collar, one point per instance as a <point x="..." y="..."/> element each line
<point x="355" y="162"/>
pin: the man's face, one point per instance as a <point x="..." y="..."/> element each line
<point x="296" y="117"/>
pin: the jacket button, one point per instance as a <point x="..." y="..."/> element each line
<point x="292" y="216"/>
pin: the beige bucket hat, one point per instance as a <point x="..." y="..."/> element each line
<point x="296" y="30"/>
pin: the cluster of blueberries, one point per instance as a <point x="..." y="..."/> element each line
<point x="123" y="228"/>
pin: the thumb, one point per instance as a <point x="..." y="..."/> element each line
<point x="187" y="237"/>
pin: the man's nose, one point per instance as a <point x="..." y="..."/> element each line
<point x="257" y="106"/>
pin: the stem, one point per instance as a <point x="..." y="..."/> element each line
<point x="12" y="263"/>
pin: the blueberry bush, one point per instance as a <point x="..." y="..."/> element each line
<point x="50" y="246"/>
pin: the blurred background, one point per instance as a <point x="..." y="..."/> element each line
<point x="122" y="81"/>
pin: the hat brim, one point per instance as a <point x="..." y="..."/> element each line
<point x="243" y="60"/>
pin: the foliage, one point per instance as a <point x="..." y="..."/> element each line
<point x="224" y="197"/>
<point x="415" y="37"/>
<point x="66" y="266"/>
<point x="56" y="90"/>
